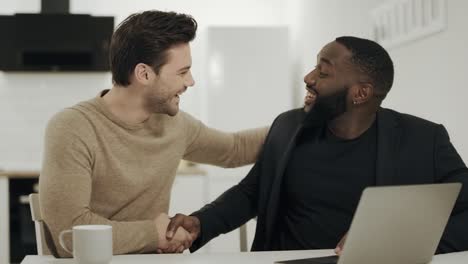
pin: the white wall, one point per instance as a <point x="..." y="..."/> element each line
<point x="28" y="100"/>
<point x="430" y="79"/>
<point x="319" y="22"/>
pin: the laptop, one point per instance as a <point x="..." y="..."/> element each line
<point x="395" y="224"/>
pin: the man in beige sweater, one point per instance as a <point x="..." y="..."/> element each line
<point x="112" y="160"/>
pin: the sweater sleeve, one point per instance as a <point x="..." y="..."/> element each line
<point x="211" y="146"/>
<point x="65" y="189"/>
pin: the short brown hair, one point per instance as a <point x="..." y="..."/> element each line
<point x="144" y="38"/>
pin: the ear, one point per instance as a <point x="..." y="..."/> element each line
<point x="143" y="73"/>
<point x="363" y="93"/>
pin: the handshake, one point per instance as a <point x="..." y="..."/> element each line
<point x="177" y="234"/>
<point x="171" y="238"/>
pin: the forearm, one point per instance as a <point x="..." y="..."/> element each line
<point x="222" y="216"/>
<point x="128" y="236"/>
<point x="455" y="237"/>
<point x="247" y="146"/>
<point x="229" y="211"/>
<point x="65" y="190"/>
<point x="227" y="149"/>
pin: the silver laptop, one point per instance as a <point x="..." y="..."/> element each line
<point x="396" y="224"/>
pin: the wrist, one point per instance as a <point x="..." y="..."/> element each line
<point x="197" y="226"/>
<point x="160" y="224"/>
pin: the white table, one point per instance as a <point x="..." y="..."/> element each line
<point x="228" y="258"/>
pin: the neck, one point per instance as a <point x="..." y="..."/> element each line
<point x="352" y="124"/>
<point x="127" y="103"/>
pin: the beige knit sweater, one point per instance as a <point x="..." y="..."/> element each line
<point x="99" y="170"/>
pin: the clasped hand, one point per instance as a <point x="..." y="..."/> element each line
<point x="176" y="234"/>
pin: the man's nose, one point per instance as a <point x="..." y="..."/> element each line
<point x="190" y="81"/>
<point x="309" y="79"/>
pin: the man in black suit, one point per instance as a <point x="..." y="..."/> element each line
<point x="306" y="184"/>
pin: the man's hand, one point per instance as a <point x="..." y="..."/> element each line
<point x="339" y="247"/>
<point x="180" y="241"/>
<point x="189" y="223"/>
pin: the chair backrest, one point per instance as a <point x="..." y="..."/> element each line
<point x="243" y="238"/>
<point x="38" y="223"/>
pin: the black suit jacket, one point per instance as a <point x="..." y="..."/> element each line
<point x="410" y="150"/>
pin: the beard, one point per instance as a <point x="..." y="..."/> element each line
<point x="158" y="105"/>
<point x="328" y="107"/>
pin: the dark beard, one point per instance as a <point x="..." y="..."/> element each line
<point x="327" y="108"/>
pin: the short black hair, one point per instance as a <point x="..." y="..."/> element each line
<point x="372" y="60"/>
<point x="145" y="38"/>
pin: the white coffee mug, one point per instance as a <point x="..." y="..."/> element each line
<point x="92" y="244"/>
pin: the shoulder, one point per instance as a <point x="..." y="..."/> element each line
<point x="294" y="116"/>
<point x="68" y="117"/>
<point x="183" y="125"/>
<point x="285" y="124"/>
<point x="72" y="120"/>
<point x="407" y="120"/>
<point x="412" y="127"/>
<point x="185" y="121"/>
<point x="184" y="117"/>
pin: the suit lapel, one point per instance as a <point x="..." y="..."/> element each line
<point x="388" y="143"/>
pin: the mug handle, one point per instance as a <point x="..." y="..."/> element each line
<point x="61" y="241"/>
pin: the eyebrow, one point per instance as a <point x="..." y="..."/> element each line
<point x="327" y="61"/>
<point x="185" y="68"/>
